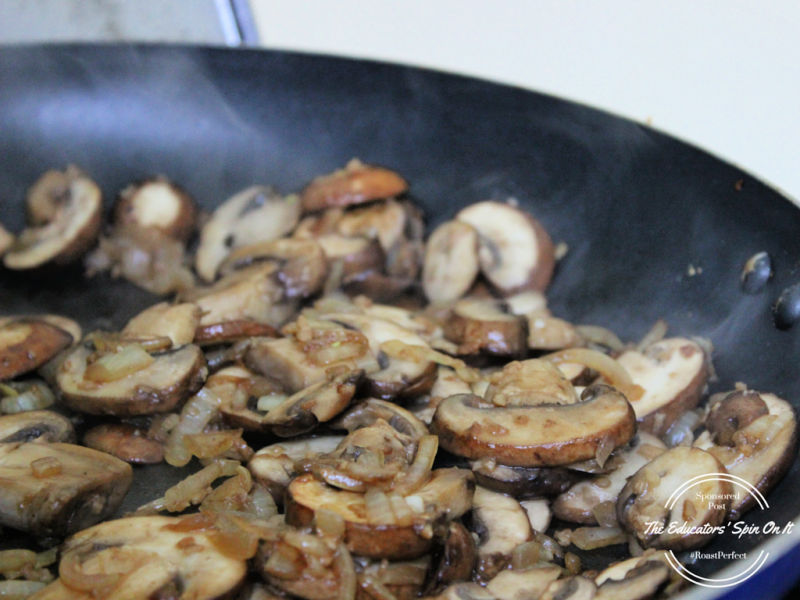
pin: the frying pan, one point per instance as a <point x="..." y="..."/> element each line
<point x="655" y="228"/>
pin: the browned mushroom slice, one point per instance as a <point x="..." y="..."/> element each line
<point x="160" y="386"/>
<point x="528" y="383"/>
<point x="354" y="256"/>
<point x="673" y="373"/>
<point x="533" y="436"/>
<point x="302" y="267"/>
<point x="250" y="293"/>
<point x="640" y="583"/>
<point x="451" y="262"/>
<point x="144" y="256"/>
<point x="232" y="331"/>
<point x="516" y="252"/>
<point x="253" y="215"/>
<point x="274" y="465"/>
<point x="318" y="403"/>
<point x="383" y="526"/>
<point x="355" y="184"/>
<point x="619" y="570"/>
<point x="296" y="364"/>
<point x="403" y="579"/>
<point x="26" y="344"/>
<point x="580" y="503"/>
<point x="523" y="583"/>
<point x="367" y="413"/>
<point x="66" y="229"/>
<point x="523" y="482"/>
<point x="146" y="557"/>
<point x="57" y="489"/>
<point x="734" y="412"/>
<point x="480" y="326"/>
<point x="126" y="442"/>
<point x="447" y="383"/>
<point x="501" y="524"/>
<point x="455" y="560"/>
<point x="646" y="508"/>
<point x="41" y="425"/>
<point x="176" y="321"/>
<point x="545" y="332"/>
<point x="375" y="456"/>
<point x="761" y="451"/>
<point x="397" y="376"/>
<point x="570" y="588"/>
<point x="71" y="326"/>
<point x="159" y="204"/>
<point x="384" y="221"/>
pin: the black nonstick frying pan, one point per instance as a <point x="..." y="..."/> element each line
<point x="655" y="228"/>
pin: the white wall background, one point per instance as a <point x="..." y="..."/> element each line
<point x="722" y="74"/>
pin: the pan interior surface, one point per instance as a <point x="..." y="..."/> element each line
<point x="655" y="229"/>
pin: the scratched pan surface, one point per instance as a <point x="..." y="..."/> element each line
<point x="635" y="207"/>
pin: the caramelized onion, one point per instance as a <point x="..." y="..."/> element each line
<point x="346" y="571"/>
<point x="603" y="364"/>
<point x="419" y="471"/>
<point x="196" y="414"/>
<point x="419" y="354"/>
<point x="129" y="359"/>
<point x="590" y="538"/>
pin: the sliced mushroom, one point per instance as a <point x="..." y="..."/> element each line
<point x="146" y="557"/>
<point x="693" y="517"/>
<point x="762" y="450"/>
<point x="57" y="489"/>
<point x="528" y="383"/>
<point x="375" y="456"/>
<point x="145" y="256"/>
<point x="306" y="565"/>
<point x="463" y="591"/>
<point x="63" y="230"/>
<point x="176" y="321"/>
<point x="447" y="383"/>
<point x="396" y="376"/>
<point x="253" y="215"/>
<point x="383" y="221"/>
<point x="570" y="588"/>
<point x="162" y="385"/>
<point x="578" y="504"/>
<point x="318" y="403"/>
<point x="516" y="252"/>
<point x="71" y="326"/>
<point x="673" y="373"/>
<point x="501" y="524"/>
<point x="296" y="365"/>
<point x="355" y="184"/>
<point x="481" y="326"/>
<point x="41" y="425"/>
<point x="239" y="391"/>
<point x="354" y="256"/>
<point x="451" y="262"/>
<point x="539" y="513"/>
<point x="734" y="412"/>
<point x="251" y="293"/>
<point x="639" y="584"/>
<point x="533" y="436"/>
<point x="126" y="442"/>
<point x="367" y="413"/>
<point x="523" y="482"/>
<point x="447" y="496"/>
<point x="274" y="465"/>
<point x="26" y="344"/>
<point x="159" y="204"/>
<point x="545" y="332"/>
<point x="302" y="265"/>
<point x="403" y="579"/>
<point x="454" y="560"/>
<point x="522" y="584"/>
<point x="228" y="332"/>
<point x="619" y="570"/>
